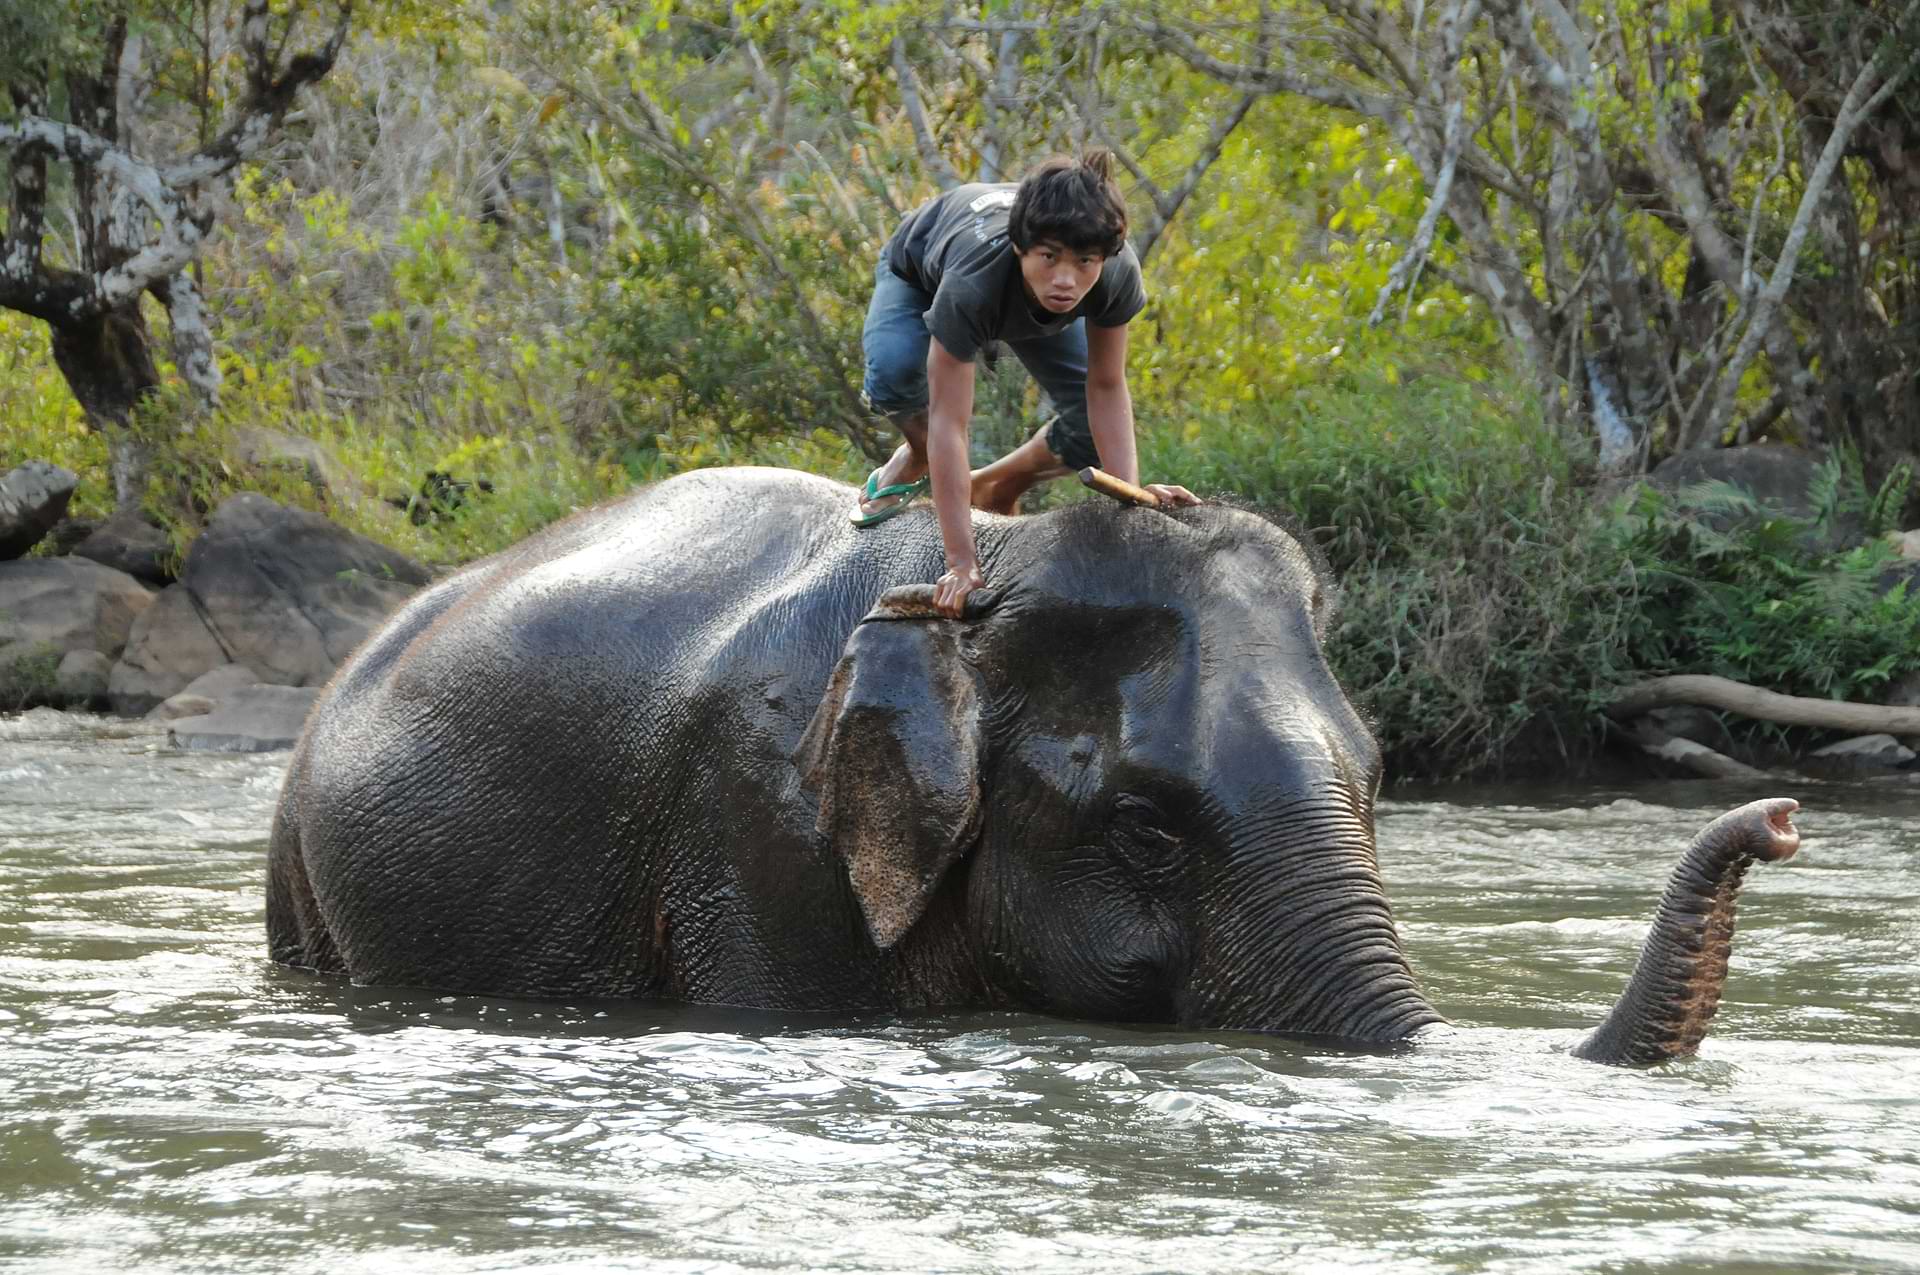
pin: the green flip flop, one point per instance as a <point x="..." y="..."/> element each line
<point x="906" y="492"/>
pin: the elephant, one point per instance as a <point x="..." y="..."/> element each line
<point x="709" y="743"/>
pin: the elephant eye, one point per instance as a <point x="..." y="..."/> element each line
<point x="1142" y="833"/>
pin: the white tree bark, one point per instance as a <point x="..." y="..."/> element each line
<point x="192" y="338"/>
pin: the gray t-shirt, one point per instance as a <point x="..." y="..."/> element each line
<point x="955" y="248"/>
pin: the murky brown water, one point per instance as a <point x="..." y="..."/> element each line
<point x="170" y="1101"/>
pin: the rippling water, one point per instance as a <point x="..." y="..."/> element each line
<point x="170" y="1101"/>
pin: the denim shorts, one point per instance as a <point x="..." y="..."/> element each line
<point x="895" y="342"/>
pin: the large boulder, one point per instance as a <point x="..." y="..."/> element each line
<point x="68" y="604"/>
<point x="32" y="498"/>
<point x="169" y="647"/>
<point x="285" y="592"/>
<point x="69" y="532"/>
<point x="1858" y="757"/>
<point x="264" y="450"/>
<point x="252" y="719"/>
<point x="1779" y="478"/>
<point x="127" y="542"/>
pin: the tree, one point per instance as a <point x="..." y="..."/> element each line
<point x="93" y="223"/>
<point x="1649" y="197"/>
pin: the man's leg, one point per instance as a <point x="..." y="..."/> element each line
<point x="894" y="341"/>
<point x="997" y="488"/>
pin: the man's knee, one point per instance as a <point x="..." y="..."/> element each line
<point x="1071" y="440"/>
<point x="896" y="379"/>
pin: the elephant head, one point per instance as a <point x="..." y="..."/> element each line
<point x="1131" y="774"/>
<point x="1135" y="782"/>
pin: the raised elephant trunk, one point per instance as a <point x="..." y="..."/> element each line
<point x="1675" y="988"/>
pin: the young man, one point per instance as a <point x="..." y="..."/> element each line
<point x="1043" y="267"/>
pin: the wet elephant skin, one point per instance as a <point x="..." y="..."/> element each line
<point x="682" y="746"/>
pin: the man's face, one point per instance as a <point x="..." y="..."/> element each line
<point x="1056" y="277"/>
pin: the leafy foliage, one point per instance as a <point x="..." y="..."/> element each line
<point x="1755" y="595"/>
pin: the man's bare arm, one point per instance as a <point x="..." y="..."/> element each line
<point x="1110" y="412"/>
<point x="949" y="409"/>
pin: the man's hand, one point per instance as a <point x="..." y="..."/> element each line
<point x="950" y="590"/>
<point x="1170" y="494"/>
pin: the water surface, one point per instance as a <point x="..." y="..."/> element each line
<point x="170" y="1101"/>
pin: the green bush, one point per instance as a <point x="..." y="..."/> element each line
<point x="1492" y="604"/>
<point x="28" y="677"/>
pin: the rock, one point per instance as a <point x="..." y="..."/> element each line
<point x="258" y="449"/>
<point x="1905" y="693"/>
<point x="252" y="719"/>
<point x="203" y="692"/>
<point x="1896" y="574"/>
<point x="81" y="679"/>
<point x="1778" y="478"/>
<point x="185" y="704"/>
<point x="1861" y="755"/>
<point x="69" y="532"/>
<point x="69" y="604"/>
<point x="285" y="592"/>
<point x="127" y="542"/>
<point x="1692" y="722"/>
<point x="170" y="646"/>
<point x="32" y="498"/>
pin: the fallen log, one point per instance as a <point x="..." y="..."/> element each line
<point x="1767" y="706"/>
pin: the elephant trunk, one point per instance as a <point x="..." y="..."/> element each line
<point x="1329" y="962"/>
<point x="1675" y="988"/>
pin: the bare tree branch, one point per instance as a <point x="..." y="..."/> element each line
<point x="192" y="336"/>
<point x="180" y="230"/>
<point x="1405" y="269"/>
<point x="1268" y="79"/>
<point x="267" y="103"/>
<point x="1167" y="205"/>
<point x="21" y="284"/>
<point x="930" y="152"/>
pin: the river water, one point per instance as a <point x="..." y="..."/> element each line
<point x="170" y="1101"/>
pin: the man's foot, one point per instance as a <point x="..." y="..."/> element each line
<point x="888" y="494"/>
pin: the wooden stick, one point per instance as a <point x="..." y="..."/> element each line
<point x="1119" y="488"/>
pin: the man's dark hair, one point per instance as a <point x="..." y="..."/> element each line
<point x="1071" y="202"/>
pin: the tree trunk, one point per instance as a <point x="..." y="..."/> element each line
<point x="109" y="366"/>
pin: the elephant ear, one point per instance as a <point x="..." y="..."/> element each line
<point x="894" y="753"/>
